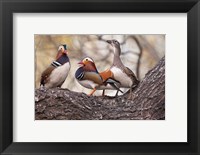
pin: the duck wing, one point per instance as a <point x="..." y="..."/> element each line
<point x="93" y="76"/>
<point x="45" y="75"/>
<point x="130" y="73"/>
<point x="114" y="83"/>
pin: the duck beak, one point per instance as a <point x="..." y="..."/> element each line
<point x="81" y="63"/>
<point x="65" y="52"/>
<point x="108" y="41"/>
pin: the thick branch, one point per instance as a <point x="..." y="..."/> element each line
<point x="148" y="102"/>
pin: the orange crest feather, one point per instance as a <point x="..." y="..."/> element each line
<point x="106" y="74"/>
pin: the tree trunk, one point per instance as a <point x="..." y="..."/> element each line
<point x="148" y="102"/>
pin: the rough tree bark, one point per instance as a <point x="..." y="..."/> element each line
<point x="148" y="102"/>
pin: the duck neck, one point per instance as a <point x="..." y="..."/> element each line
<point x="63" y="59"/>
<point x="90" y="68"/>
<point x="116" y="60"/>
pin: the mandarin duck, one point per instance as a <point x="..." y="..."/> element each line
<point x="57" y="72"/>
<point x="88" y="76"/>
<point x="121" y="73"/>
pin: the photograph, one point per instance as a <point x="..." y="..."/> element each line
<point x="89" y="77"/>
<point x="99" y="76"/>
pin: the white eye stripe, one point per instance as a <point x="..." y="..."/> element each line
<point x="60" y="47"/>
<point x="88" y="59"/>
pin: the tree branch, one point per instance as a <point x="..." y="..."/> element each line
<point x="148" y="102"/>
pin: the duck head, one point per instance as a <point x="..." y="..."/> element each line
<point x="116" y="45"/>
<point x="62" y="50"/>
<point x="88" y="64"/>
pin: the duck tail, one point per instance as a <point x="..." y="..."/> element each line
<point x="136" y="82"/>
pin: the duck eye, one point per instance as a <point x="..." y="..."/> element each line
<point x="86" y="59"/>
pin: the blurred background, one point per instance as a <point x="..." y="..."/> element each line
<point x="139" y="52"/>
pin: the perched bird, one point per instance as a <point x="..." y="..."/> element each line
<point x="120" y="72"/>
<point x="57" y="72"/>
<point x="88" y="76"/>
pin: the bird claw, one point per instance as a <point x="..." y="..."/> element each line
<point x="108" y="97"/>
<point x="131" y="96"/>
<point x="43" y="88"/>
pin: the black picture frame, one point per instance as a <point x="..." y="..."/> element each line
<point x="8" y="7"/>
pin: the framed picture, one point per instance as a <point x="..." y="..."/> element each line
<point x="99" y="77"/>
